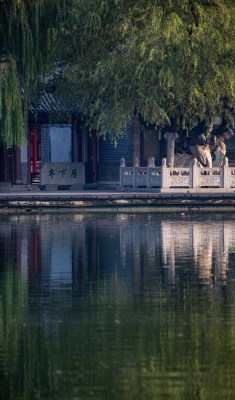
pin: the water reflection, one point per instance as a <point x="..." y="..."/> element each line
<point x="68" y="249"/>
<point x="122" y="306"/>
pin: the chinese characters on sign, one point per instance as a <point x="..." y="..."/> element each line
<point x="73" y="173"/>
<point x="51" y="173"/>
<point x="63" y="172"/>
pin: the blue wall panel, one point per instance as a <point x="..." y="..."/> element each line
<point x="108" y="152"/>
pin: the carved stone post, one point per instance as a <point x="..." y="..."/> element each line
<point x="136" y="162"/>
<point x="195" y="174"/>
<point x="122" y="165"/>
<point x="171" y="138"/>
<point x="164" y="175"/>
<point x="151" y="164"/>
<point x="226" y="172"/>
<point x="122" y="162"/>
<point x="135" y="166"/>
<point x="94" y="153"/>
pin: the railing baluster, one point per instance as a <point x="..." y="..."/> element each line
<point x="166" y="177"/>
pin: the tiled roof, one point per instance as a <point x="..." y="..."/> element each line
<point x="50" y="104"/>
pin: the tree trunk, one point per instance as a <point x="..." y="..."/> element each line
<point x="209" y="149"/>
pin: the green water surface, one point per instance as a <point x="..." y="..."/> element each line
<point x="117" y="307"/>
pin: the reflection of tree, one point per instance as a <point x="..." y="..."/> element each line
<point x="13" y="311"/>
<point x="143" y="350"/>
<point x="110" y="339"/>
<point x="26" y="368"/>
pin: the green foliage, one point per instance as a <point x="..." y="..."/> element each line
<point x="28" y="29"/>
<point x="166" y="60"/>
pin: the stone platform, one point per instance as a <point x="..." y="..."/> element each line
<point x="114" y="201"/>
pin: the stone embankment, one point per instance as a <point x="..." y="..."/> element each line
<point x="113" y="201"/>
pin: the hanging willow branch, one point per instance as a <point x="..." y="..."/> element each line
<point x="28" y="30"/>
<point x="11" y="116"/>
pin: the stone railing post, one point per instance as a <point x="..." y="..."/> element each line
<point x="209" y="165"/>
<point x="136" y="164"/>
<point x="195" y="171"/>
<point x="226" y="172"/>
<point x="164" y="175"/>
<point x="151" y="164"/>
<point x="122" y="165"/>
<point x="171" y="138"/>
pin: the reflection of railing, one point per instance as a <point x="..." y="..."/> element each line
<point x="164" y="177"/>
<point x="206" y="245"/>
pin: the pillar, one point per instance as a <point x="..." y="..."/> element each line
<point x="226" y="174"/>
<point x="79" y="143"/>
<point x="195" y="174"/>
<point x="135" y="139"/>
<point x="164" y="184"/>
<point x="29" y="154"/>
<point x="122" y="165"/>
<point x="29" y="255"/>
<point x="34" y="149"/>
<point x="2" y="163"/>
<point x="18" y="172"/>
<point x="94" y="148"/>
<point x="151" y="165"/>
<point x="135" y="166"/>
<point x="171" y="138"/>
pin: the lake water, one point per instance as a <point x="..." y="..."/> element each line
<point x="117" y="306"/>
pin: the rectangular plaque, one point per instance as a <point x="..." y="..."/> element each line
<point x="62" y="173"/>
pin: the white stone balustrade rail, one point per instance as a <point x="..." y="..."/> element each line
<point x="166" y="178"/>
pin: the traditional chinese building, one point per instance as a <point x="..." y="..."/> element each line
<point x="61" y="151"/>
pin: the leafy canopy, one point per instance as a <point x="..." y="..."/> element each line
<point x="171" y="62"/>
<point x="28" y="29"/>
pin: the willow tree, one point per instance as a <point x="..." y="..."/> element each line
<point x="168" y="62"/>
<point x="28" y="29"/>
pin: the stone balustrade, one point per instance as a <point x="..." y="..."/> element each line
<point x="166" y="177"/>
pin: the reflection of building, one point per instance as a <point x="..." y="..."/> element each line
<point x="139" y="250"/>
